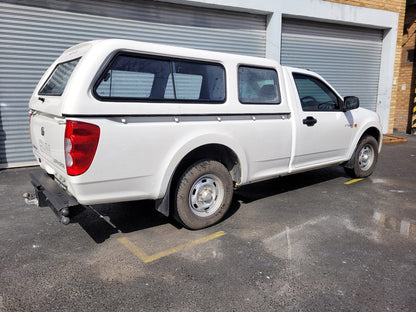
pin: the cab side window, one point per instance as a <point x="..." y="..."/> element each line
<point x="315" y="95"/>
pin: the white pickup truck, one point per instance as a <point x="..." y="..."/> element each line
<point x="117" y="120"/>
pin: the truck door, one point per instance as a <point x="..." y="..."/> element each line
<point x="323" y="131"/>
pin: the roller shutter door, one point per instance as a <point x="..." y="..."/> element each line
<point x="347" y="57"/>
<point x="31" y="38"/>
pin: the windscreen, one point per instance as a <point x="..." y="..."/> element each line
<point x="56" y="83"/>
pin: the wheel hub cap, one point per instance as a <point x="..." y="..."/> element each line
<point x="366" y="157"/>
<point x="205" y="195"/>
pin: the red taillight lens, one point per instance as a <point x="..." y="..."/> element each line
<point x="81" y="141"/>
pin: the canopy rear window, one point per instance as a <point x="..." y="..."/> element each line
<point x="56" y="83"/>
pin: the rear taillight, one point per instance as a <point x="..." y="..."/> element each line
<point x="81" y="141"/>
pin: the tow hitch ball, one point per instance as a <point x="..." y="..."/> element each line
<point x="32" y="199"/>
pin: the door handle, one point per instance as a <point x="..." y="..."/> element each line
<point x="309" y="121"/>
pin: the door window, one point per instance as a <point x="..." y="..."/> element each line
<point x="315" y="95"/>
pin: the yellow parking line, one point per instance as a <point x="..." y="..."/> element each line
<point x="149" y="258"/>
<point x="353" y="181"/>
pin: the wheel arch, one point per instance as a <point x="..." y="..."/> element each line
<point x="213" y="151"/>
<point x="372" y="131"/>
<point x="231" y="156"/>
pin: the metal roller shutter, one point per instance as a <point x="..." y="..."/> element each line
<point x="31" y="38"/>
<point x="347" y="57"/>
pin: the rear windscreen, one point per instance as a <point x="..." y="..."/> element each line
<point x="55" y="85"/>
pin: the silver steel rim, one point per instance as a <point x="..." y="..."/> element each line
<point x="366" y="157"/>
<point x="206" y="195"/>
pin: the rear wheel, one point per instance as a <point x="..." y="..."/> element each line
<point x="365" y="158"/>
<point x="203" y="194"/>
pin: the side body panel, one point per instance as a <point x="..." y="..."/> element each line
<point x="136" y="158"/>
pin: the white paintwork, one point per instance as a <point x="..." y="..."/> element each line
<point x="329" y="140"/>
<point x="139" y="149"/>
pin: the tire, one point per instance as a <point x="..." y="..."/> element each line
<point x="364" y="158"/>
<point x="203" y="194"/>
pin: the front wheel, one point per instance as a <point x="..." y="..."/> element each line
<point x="365" y="158"/>
<point x="203" y="194"/>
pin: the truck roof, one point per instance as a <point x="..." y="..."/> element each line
<point x="105" y="45"/>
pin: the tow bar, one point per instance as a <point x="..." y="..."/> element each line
<point x="48" y="193"/>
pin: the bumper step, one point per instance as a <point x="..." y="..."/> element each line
<point x="49" y="193"/>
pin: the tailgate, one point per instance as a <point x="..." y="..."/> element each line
<point x="47" y="133"/>
<point x="47" y="126"/>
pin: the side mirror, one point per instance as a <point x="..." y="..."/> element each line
<point x="351" y="102"/>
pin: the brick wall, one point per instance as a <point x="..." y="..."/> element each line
<point x="399" y="106"/>
<point x="406" y="81"/>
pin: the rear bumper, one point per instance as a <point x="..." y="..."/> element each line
<point x="49" y="193"/>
